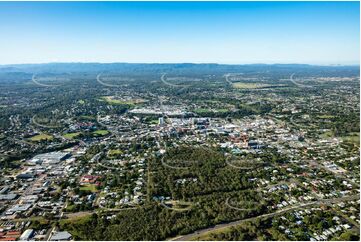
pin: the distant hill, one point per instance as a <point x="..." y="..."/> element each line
<point x="186" y="68"/>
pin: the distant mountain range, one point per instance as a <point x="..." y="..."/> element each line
<point x="209" y="68"/>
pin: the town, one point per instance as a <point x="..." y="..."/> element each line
<point x="181" y="153"/>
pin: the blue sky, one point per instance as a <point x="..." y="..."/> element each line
<point x="169" y="32"/>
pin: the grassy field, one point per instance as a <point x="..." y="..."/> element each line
<point x="87" y="118"/>
<point x="110" y="100"/>
<point x="41" y="137"/>
<point x="73" y="222"/>
<point x="246" y="85"/>
<point x="353" y="138"/>
<point x="101" y="132"/>
<point x="325" y="116"/>
<point x="151" y="120"/>
<point x="221" y="110"/>
<point x="71" y="135"/>
<point x="89" y="187"/>
<point x="327" y="134"/>
<point x="114" y="152"/>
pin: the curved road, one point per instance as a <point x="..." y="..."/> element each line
<point x="238" y="222"/>
<point x="33" y="79"/>
<point x="105" y="84"/>
<point x="33" y="120"/>
<point x="296" y="83"/>
<point x="170" y="84"/>
<point x="228" y="81"/>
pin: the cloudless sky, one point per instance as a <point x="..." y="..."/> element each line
<point x="208" y="32"/>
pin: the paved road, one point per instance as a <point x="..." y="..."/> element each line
<point x="225" y="225"/>
<point x="228" y="81"/>
<point x="105" y="84"/>
<point x="296" y="83"/>
<point x="33" y="120"/>
<point x="33" y="79"/>
<point x="162" y="78"/>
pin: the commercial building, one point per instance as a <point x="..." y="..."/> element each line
<point x="27" y="234"/>
<point x="61" y="236"/>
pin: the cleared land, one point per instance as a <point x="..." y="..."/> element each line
<point x="113" y="101"/>
<point x="353" y="138"/>
<point x="91" y="188"/>
<point x="114" y="153"/>
<point x="41" y="137"/>
<point x="254" y="85"/>
<point x="249" y="85"/>
<point x="71" y="135"/>
<point x="101" y="132"/>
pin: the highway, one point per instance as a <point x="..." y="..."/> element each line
<point x="105" y="84"/>
<point x="238" y="222"/>
<point x="296" y="83"/>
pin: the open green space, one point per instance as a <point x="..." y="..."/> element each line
<point x="249" y="85"/>
<point x="327" y="134"/>
<point x="41" y="137"/>
<point x="90" y="187"/>
<point x="87" y="118"/>
<point x="112" y="101"/>
<point x="353" y="137"/>
<point x="71" y="135"/>
<point x="114" y="152"/>
<point x="101" y="132"/>
<point x="77" y="222"/>
<point x="325" y="116"/>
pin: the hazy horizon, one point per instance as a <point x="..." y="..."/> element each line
<point x="174" y="63"/>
